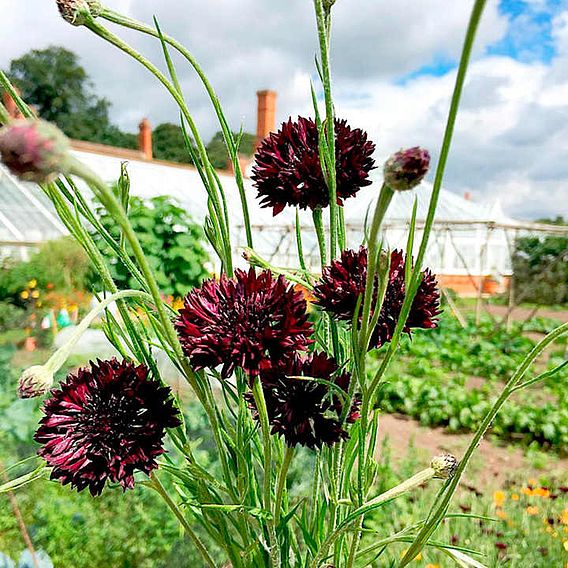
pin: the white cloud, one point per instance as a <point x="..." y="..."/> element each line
<point x="510" y="140"/>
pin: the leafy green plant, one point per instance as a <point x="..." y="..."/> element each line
<point x="172" y="242"/>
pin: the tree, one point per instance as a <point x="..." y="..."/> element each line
<point x="168" y="143"/>
<point x="218" y="153"/>
<point x="171" y="241"/>
<point x="55" y="83"/>
<point x="540" y="268"/>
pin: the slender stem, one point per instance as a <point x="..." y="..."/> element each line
<point x="320" y="233"/>
<point x="444" y="152"/>
<point x="116" y="18"/>
<point x="267" y="447"/>
<point x="156" y="484"/>
<point x="442" y="506"/>
<point x="281" y="484"/>
<point x="323" y="19"/>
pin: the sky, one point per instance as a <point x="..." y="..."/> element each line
<point x="394" y="65"/>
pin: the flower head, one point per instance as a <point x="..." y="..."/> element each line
<point x="304" y="411"/>
<point x="33" y="150"/>
<point x="405" y="169"/>
<point x="35" y="381"/>
<point x="105" y="423"/>
<point x="288" y="171"/>
<point x="344" y="281"/>
<point x="246" y="321"/>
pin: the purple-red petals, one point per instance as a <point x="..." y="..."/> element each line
<point x="343" y="282"/>
<point x="104" y="423"/>
<point x="246" y="321"/>
<point x="288" y="171"/>
<point x="306" y="412"/>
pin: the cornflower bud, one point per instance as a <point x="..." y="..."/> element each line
<point x="444" y="465"/>
<point x="33" y="150"/>
<point x="35" y="381"/>
<point x="405" y="169"/>
<point x="78" y="12"/>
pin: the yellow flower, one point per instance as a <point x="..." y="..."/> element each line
<point x="514" y="497"/>
<point x="532" y="510"/>
<point x="432" y="566"/>
<point x="499" y="498"/>
<point x="527" y="491"/>
<point x="501" y="514"/>
<point x="417" y="557"/>
<point x="565" y="545"/>
<point x="35" y="294"/>
<point x="564" y="517"/>
<point x="533" y="481"/>
<point x="32" y="283"/>
<point x="541" y="492"/>
<point x="25" y="295"/>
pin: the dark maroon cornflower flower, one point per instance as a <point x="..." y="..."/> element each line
<point x="287" y="168"/>
<point x="306" y="412"/>
<point x="245" y="321"/>
<point x="105" y="423"/>
<point x="344" y="281"/>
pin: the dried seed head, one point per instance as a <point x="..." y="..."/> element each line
<point x="33" y="150"/>
<point x="444" y="465"/>
<point x="78" y="12"/>
<point x="35" y="381"/>
<point x="405" y="169"/>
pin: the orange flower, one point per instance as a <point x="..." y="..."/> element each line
<point x="514" y="497"/>
<point x="533" y="481"/>
<point x="564" y="517"/>
<point x="541" y="492"/>
<point x="532" y="510"/>
<point x="432" y="566"/>
<point x="501" y="514"/>
<point x="499" y="498"/>
<point x="527" y="491"/>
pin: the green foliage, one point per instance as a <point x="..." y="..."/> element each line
<point x="171" y="241"/>
<point x="53" y="81"/>
<point x="60" y="264"/>
<point x="540" y="267"/>
<point x="168" y="143"/>
<point x="11" y="316"/>
<point x="431" y="383"/>
<point x="218" y="153"/>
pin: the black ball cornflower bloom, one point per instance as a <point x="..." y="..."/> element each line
<point x="344" y="281"/>
<point x="406" y="168"/>
<point x="287" y="169"/>
<point x="304" y="411"/>
<point x="104" y="423"/>
<point x="246" y="321"/>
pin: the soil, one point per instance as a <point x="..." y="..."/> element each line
<point x="521" y="314"/>
<point x="491" y="466"/>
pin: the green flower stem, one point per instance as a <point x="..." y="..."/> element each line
<point x="412" y="483"/>
<point x="4" y="116"/>
<point x="385" y="197"/>
<point x="281" y="484"/>
<point x="299" y="244"/>
<point x="267" y="483"/>
<point x="323" y="19"/>
<point x="212" y="187"/>
<point x="56" y="361"/>
<point x="441" y="507"/>
<point x="156" y="484"/>
<point x="320" y="233"/>
<point x="119" y="19"/>
<point x="254" y="259"/>
<point x="446" y="143"/>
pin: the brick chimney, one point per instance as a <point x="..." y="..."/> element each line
<point x="10" y="105"/>
<point x="467" y="196"/>
<point x="145" y="139"/>
<point x="266" y="117"/>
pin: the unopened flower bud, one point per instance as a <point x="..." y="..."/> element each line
<point x="35" y="381"/>
<point x="33" y="150"/>
<point x="444" y="465"/>
<point x="405" y="169"/>
<point x="78" y="12"/>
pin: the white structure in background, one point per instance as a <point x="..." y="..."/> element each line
<point x="470" y="247"/>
